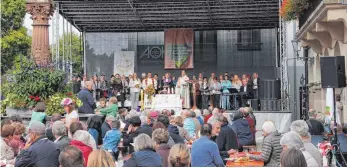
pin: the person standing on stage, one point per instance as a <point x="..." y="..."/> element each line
<point x="135" y="85"/>
<point x="103" y="87"/>
<point x="158" y="87"/>
<point x="199" y="97"/>
<point x="96" y="87"/>
<point x="183" y="89"/>
<point x="149" y="81"/>
<point x="210" y="81"/>
<point x="255" y="85"/>
<point x="205" y="92"/>
<point x="167" y="83"/>
<point x="215" y="89"/>
<point x="226" y="85"/>
<point x="236" y="83"/>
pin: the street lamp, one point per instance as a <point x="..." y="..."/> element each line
<point x="296" y="48"/>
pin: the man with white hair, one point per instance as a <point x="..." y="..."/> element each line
<point x="212" y="119"/>
<point x="271" y="149"/>
<point x="106" y="126"/>
<point x="38" y="151"/>
<point x="301" y="127"/>
<point x="293" y="140"/>
<point x="87" y="99"/>
<point x="59" y="132"/>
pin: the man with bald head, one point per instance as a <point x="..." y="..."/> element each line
<point x="86" y="96"/>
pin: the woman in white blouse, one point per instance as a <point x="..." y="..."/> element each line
<point x="134" y="84"/>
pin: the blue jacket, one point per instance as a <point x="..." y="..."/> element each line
<point x="88" y="102"/>
<point x="111" y="140"/>
<point x="94" y="133"/>
<point x="242" y="130"/>
<point x="41" y="153"/>
<point x="144" y="158"/>
<point x="205" y="153"/>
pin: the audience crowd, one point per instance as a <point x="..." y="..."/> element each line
<point x="115" y="137"/>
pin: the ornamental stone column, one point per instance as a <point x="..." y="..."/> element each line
<point x="41" y="11"/>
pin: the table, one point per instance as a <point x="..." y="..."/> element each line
<point x="254" y="163"/>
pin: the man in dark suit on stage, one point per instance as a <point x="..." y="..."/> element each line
<point x="255" y="85"/>
<point x="245" y="88"/>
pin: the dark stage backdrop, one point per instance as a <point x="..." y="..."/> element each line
<point x="234" y="51"/>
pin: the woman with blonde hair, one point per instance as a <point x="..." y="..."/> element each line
<point x="100" y="158"/>
<point x="179" y="156"/>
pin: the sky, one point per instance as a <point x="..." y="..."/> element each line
<point x="28" y="24"/>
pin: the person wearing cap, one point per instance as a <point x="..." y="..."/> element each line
<point x="38" y="113"/>
<point x="38" y="151"/>
<point x="112" y="109"/>
<point x="71" y="114"/>
<point x="86" y="97"/>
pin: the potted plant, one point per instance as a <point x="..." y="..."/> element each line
<point x="293" y="9"/>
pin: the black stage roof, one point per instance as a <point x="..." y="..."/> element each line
<point x="158" y="15"/>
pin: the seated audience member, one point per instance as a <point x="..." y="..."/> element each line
<point x="250" y="120"/>
<point x="112" y="109"/>
<point x="102" y="104"/>
<point x="132" y="133"/>
<point x="7" y="153"/>
<point x="106" y="126"/>
<point x="16" y="118"/>
<point x="179" y="156"/>
<point x="80" y="139"/>
<point x="301" y="127"/>
<point x="189" y="123"/>
<point x="112" y="139"/>
<point x="208" y="114"/>
<point x="212" y="119"/>
<point x="144" y="155"/>
<point x="199" y="116"/>
<point x="196" y="123"/>
<point x="242" y="130"/>
<point x="94" y="124"/>
<point x="161" y="137"/>
<point x="71" y="113"/>
<point x="59" y="132"/>
<point x="5" y="122"/>
<point x="173" y="130"/>
<point x="293" y="158"/>
<point x="293" y="140"/>
<point x="205" y="152"/>
<point x="38" y="151"/>
<point x="315" y="126"/>
<point x="79" y="126"/>
<point x="39" y="113"/>
<point x="157" y="125"/>
<point x="17" y="142"/>
<point x="100" y="158"/>
<point x="226" y="139"/>
<point x="182" y="132"/>
<point x="55" y="117"/>
<point x="71" y="157"/>
<point x="271" y="149"/>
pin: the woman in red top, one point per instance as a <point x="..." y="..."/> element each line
<point x="80" y="140"/>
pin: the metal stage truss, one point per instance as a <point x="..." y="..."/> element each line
<point x="158" y="15"/>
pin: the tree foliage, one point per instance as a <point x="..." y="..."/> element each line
<point x="75" y="51"/>
<point x="15" y="42"/>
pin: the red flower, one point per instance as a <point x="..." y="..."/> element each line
<point x="69" y="93"/>
<point x="37" y="98"/>
<point x="31" y="97"/>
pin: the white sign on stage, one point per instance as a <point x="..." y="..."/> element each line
<point x="124" y="62"/>
<point x="169" y="102"/>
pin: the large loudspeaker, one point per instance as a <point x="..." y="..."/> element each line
<point x="333" y="72"/>
<point x="270" y="89"/>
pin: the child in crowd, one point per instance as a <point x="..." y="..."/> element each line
<point x="102" y="104"/>
<point x="38" y="113"/>
<point x="112" y="139"/>
<point x="112" y="109"/>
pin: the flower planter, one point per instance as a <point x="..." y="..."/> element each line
<point x="12" y="111"/>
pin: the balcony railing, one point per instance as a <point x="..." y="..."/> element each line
<point x="307" y="13"/>
<point x="313" y="6"/>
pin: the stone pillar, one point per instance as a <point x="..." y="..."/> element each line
<point x="40" y="11"/>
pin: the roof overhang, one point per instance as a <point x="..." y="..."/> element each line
<point x="158" y="15"/>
